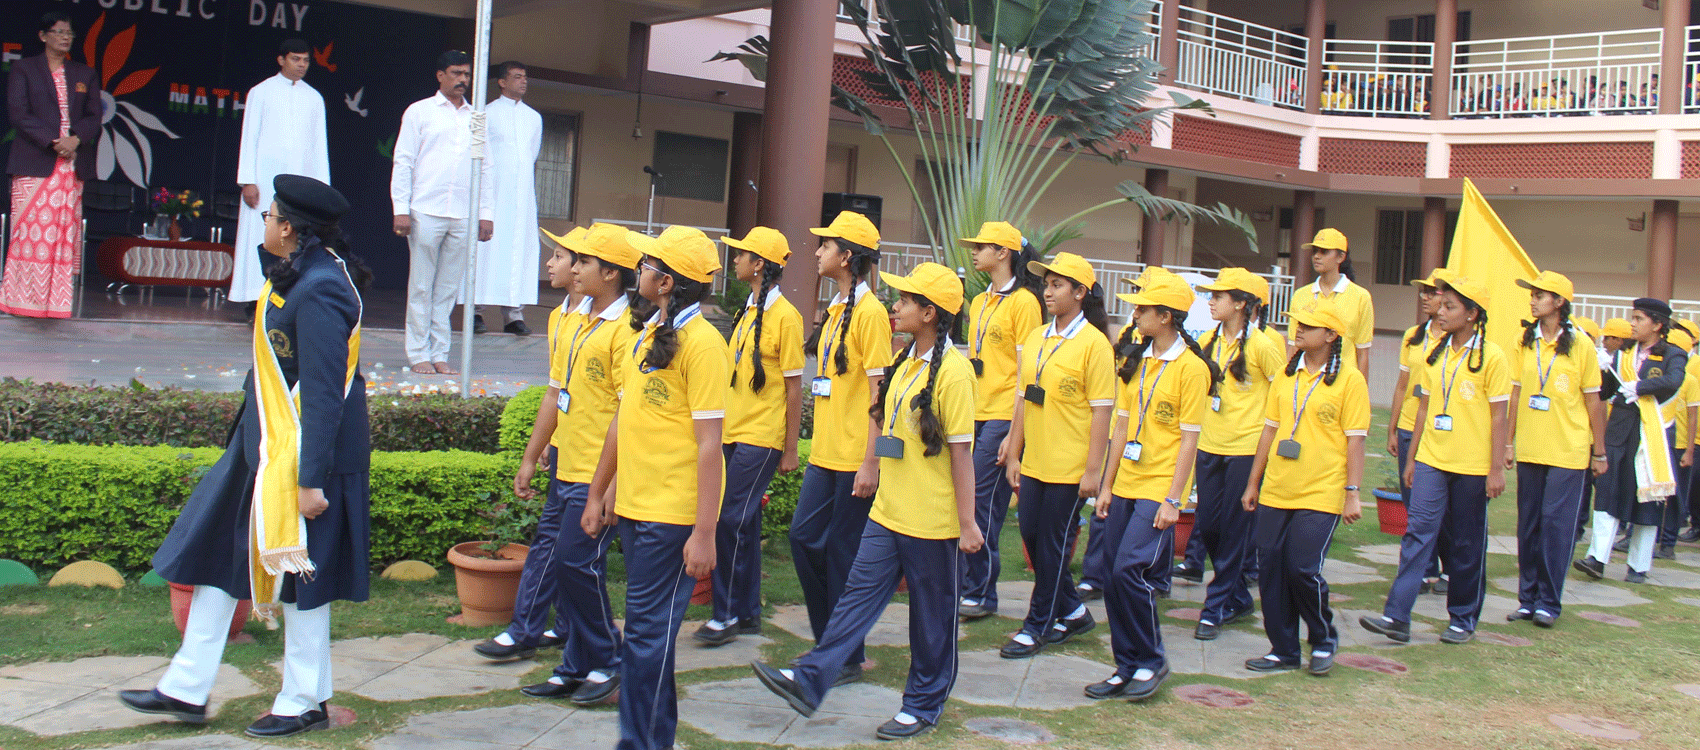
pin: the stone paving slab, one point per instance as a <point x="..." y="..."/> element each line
<point x="398" y="649"/>
<point x="1342" y="573"/>
<point x="1494" y="608"/>
<point x="1352" y="634"/>
<point x="546" y="726"/>
<point x="1046" y="682"/>
<point x="690" y="654"/>
<point x="1584" y="592"/>
<point x="91" y="672"/>
<point x="1380" y="554"/>
<point x="892" y="629"/>
<point x="197" y="742"/>
<point x="54" y="698"/>
<point x="744" y="711"/>
<point x="416" y="665"/>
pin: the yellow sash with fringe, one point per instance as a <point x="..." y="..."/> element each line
<point x="277" y="532"/>
<point x="1655" y="480"/>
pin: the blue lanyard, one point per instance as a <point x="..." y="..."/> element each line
<point x="828" y="341"/>
<point x="1068" y="333"/>
<point x="891" y="419"/>
<point x="1139" y="395"/>
<point x="1446" y="384"/>
<point x="691" y="312"/>
<point x="576" y="346"/>
<point x="745" y="327"/>
<point x="1299" y="408"/>
<point x="983" y="319"/>
<point x="1543" y="374"/>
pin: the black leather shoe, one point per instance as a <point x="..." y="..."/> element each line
<point x="1321" y="665"/>
<point x="1665" y="552"/>
<point x="592" y="693"/>
<point x="286" y="726"/>
<point x="548" y="689"/>
<point x="550" y="641"/>
<point x="749" y="627"/>
<point x="850" y="673"/>
<point x="1692" y="534"/>
<point x="1187" y="573"/>
<point x="783" y="687"/>
<point x="1635" y="576"/>
<point x="1206" y="631"/>
<point x="893" y="729"/>
<point x="1440" y="586"/>
<point x="1106" y="689"/>
<point x="1266" y="664"/>
<point x="971" y="612"/>
<point x="1070" y="629"/>
<point x="494" y="651"/>
<point x="155" y="702"/>
<point x="1544" y="620"/>
<point x="1590" y="567"/>
<point x="1236" y="616"/>
<point x="1394" y="630"/>
<point x="1457" y="636"/>
<point x="711" y="637"/>
<point x="478" y="324"/>
<point x="1520" y="614"/>
<point x="1622" y="544"/>
<point x="1138" y="690"/>
<point x="517" y="328"/>
<point x="1089" y="593"/>
<point x="1017" y="650"/>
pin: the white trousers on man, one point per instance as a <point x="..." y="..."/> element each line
<point x="306" y="654"/>
<point x="436" y="269"/>
<point x="1641" y="539"/>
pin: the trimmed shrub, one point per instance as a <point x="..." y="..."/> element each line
<point x="518" y="417"/>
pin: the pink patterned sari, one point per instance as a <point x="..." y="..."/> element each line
<point x="47" y="234"/>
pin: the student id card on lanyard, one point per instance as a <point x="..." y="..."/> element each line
<point x="564" y="399"/>
<point x="1540" y="401"/>
<point x="890" y="445"/>
<point x="1221" y="366"/>
<point x="982" y="323"/>
<point x="1135" y="450"/>
<point x="1289" y="448"/>
<point x="822" y="385"/>
<point x="1035" y="393"/>
<point x="1443" y="420"/>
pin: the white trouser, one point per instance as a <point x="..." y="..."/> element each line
<point x="436" y="269"/>
<point x="306" y="654"/>
<point x="1641" y="539"/>
<point x="508" y="314"/>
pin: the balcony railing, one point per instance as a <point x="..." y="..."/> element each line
<point x="1375" y="78"/>
<point x="1227" y="56"/>
<point x="1613" y="72"/>
<point x="1603" y="307"/>
<point x="964" y="34"/>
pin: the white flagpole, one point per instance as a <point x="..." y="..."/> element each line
<point x="480" y="87"/>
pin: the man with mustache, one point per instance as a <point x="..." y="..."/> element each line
<point x="430" y="188"/>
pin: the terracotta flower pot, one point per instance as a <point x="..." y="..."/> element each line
<point x="182" y="596"/>
<point x="1390" y="511"/>
<point x="1183" y="532"/>
<point x="486" y="584"/>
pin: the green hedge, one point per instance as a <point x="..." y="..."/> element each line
<point x="59" y="413"/>
<point x="518" y="417"/>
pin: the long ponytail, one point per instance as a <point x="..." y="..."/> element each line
<point x="1137" y="351"/>
<point x="931" y="428"/>
<point x="863" y="260"/>
<point x="685" y="293"/>
<point x="770" y="274"/>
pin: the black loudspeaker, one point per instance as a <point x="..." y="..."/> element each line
<point x="867" y="205"/>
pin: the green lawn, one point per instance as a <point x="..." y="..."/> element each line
<point x="1476" y="696"/>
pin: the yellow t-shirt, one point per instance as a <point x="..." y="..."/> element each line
<point x="759" y="418"/>
<point x="1079" y="373"/>
<point x="998" y="325"/>
<point x="658" y="413"/>
<point x="1686" y="396"/>
<point x="1175" y="387"/>
<point x="1558" y="436"/>
<point x="1412" y="358"/>
<point x="1277" y="338"/>
<point x="1235" y="420"/>
<point x="1693" y="374"/>
<point x="1356" y="309"/>
<point x="558" y="317"/>
<point x="841" y="419"/>
<point x="1326" y="416"/>
<point x="1456" y="392"/>
<point x="587" y="354"/>
<point x="917" y="496"/>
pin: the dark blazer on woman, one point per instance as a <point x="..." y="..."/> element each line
<point x="33" y="108"/>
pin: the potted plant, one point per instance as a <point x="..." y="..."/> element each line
<point x="175" y="206"/>
<point x="487" y="572"/>
<point x="1390" y="507"/>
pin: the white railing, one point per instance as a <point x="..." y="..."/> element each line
<point x="895" y="258"/>
<point x="1154" y="27"/>
<point x="1375" y="78"/>
<point x="1603" y="307"/>
<point x="964" y="33"/>
<point x="1115" y="275"/>
<point x="1243" y="60"/>
<point x="1612" y="72"/>
<point x="1691" y="74"/>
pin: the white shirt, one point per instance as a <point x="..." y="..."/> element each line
<point x="433" y="165"/>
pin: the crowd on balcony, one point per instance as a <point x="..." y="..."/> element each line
<point x="1396" y="95"/>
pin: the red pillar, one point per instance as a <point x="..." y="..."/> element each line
<point x="1151" y="242"/>
<point x="1672" y="79"/>
<point x="1435" y="240"/>
<point x="797" y="112"/>
<point x="1168" y="41"/>
<point x="1661" y="250"/>
<point x="1316" y="29"/>
<point x="1304" y="228"/>
<point x="742" y="197"/>
<point x="1445" y="33"/>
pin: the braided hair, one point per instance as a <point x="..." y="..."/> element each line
<point x="1478" y="352"/>
<point x="1136" y="352"/>
<point x="1236" y="368"/>
<point x="685" y="293"/>
<point x="1419" y="334"/>
<point x="863" y="260"/>
<point x="1024" y="277"/>
<point x="770" y="273"/>
<point x="284" y="274"/>
<point x="932" y="429"/>
<point x="1531" y="329"/>
<point x="1329" y="371"/>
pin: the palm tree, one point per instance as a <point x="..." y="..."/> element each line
<point x="1042" y="85"/>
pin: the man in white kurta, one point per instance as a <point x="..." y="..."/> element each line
<point x="283" y="132"/>
<point x="507" y="277"/>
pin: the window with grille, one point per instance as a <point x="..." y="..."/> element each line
<point x="557" y="167"/>
<point x="1399" y="244"/>
<point x="691" y="166"/>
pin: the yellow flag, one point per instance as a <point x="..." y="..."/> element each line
<point x="1484" y="251"/>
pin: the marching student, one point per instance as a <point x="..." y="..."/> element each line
<point x="923" y="518"/>
<point x="1315" y="424"/>
<point x="1557" y="422"/>
<point x="586" y="374"/>
<point x="1684" y="414"/>
<point x="669" y="420"/>
<point x="764" y="414"/>
<point x="1693" y="532"/>
<point x="1335" y="281"/>
<point x="1418" y="341"/>
<point x="999" y="320"/>
<point x="1457" y="464"/>
<point x="1614" y="335"/>
<point x="1247" y="361"/>
<point x="1645" y="375"/>
<point x="852" y="349"/>
<point x="1165" y="393"/>
<point x="1057" y="441"/>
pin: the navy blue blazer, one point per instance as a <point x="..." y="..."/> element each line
<point x="1660" y="376"/>
<point x="33" y="108"/>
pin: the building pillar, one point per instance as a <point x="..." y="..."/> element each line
<point x="743" y="194"/>
<point x="1316" y="29"/>
<point x="1304" y="228"/>
<point x="1169" y="41"/>
<point x="1672" y="78"/>
<point x="1151" y="242"/>
<point x="1661" y="250"/>
<point x="1434" y="237"/>
<point x="1445" y="33"/>
<point x="794" y="134"/>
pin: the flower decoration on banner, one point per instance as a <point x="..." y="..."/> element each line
<point x="177" y="205"/>
<point x="125" y="148"/>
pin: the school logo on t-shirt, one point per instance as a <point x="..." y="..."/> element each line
<point x="1467" y="390"/>
<point x="1328" y="415"/>
<point x="994" y="334"/>
<point x="1561" y="383"/>
<point x="1164" y="413"/>
<point x="656" y="392"/>
<point x="595" y="370"/>
<point x="1069" y="387"/>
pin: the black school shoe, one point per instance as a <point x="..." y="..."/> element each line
<point x="1017" y="650"/>
<point x="1394" y="630"/>
<point x="1089" y="593"/>
<point x="478" y="324"/>
<point x="494" y="651"/>
<point x="1105" y="689"/>
<point x="155" y="702"/>
<point x="850" y="673"/>
<point x="517" y="328"/>
<point x="1321" y="665"/>
<point x="547" y="689"/>
<point x="1457" y="636"/>
<point x="893" y="729"/>
<point x="1635" y="576"/>
<point x="1665" y="552"/>
<point x="1692" y="534"/>
<point x="1544" y="619"/>
<point x="783" y="687"/>
<point x="1187" y="573"/>
<point x="1138" y="690"/>
<point x="972" y="612"/>
<point x="1590" y="567"/>
<point x="592" y="693"/>
<point x="712" y="637"/>
<point x="1522" y="613"/>
<point x="285" y="726"/>
<point x="1067" y="629"/>
<point x="1267" y="664"/>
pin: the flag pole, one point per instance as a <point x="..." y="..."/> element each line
<point x="480" y="90"/>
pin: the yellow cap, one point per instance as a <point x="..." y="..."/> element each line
<point x="612" y="243"/>
<point x="1617" y="328"/>
<point x="1681" y="339"/>
<point x="1468" y="288"/>
<point x="1325" y="315"/>
<point x="1165" y="289"/>
<point x="1067" y="265"/>
<point x="1240" y="280"/>
<point x="1145" y="276"/>
<point x="1000" y="233"/>
<point x="853" y="227"/>
<point x="936" y="283"/>
<point x="1551" y="281"/>
<point x="766" y="242"/>
<point x="1438" y="274"/>
<point x="1327" y="239"/>
<point x="1587" y="325"/>
<point x="1687" y="325"/>
<point x="573" y="240"/>
<point x="687" y="251"/>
